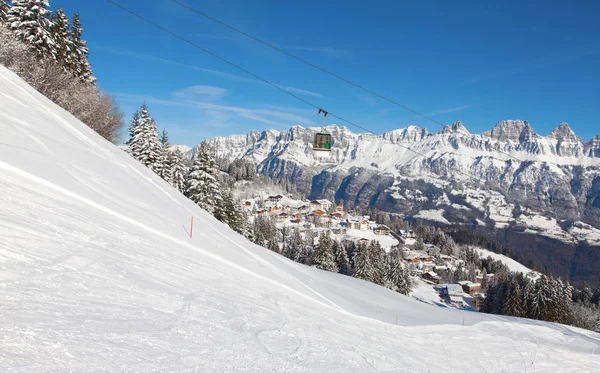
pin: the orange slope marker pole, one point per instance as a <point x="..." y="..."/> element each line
<point x="192" y="227"/>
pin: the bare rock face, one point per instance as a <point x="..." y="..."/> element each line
<point x="592" y="147"/>
<point x="509" y="130"/>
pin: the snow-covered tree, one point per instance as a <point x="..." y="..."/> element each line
<point x="379" y="262"/>
<point x="3" y="11"/>
<point x="144" y="145"/>
<point x="59" y="29"/>
<point x="324" y="258"/>
<point x="397" y="276"/>
<point x="164" y="138"/>
<point x="364" y="268"/>
<point x="202" y="183"/>
<point x="79" y="60"/>
<point x="174" y="161"/>
<point x="341" y="258"/>
<point x="30" y="21"/>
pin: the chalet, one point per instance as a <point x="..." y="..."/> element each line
<point x="382" y="230"/>
<point x="431" y="277"/>
<point x="295" y="221"/>
<point x="275" y="199"/>
<point x="320" y="204"/>
<point x="338" y="230"/>
<point x="339" y="208"/>
<point x="297" y="216"/>
<point x="419" y="258"/>
<point x="275" y="209"/>
<point x="320" y="212"/>
<point x="407" y="233"/>
<point x="470" y="287"/>
<point x="479" y="278"/>
<point x="261" y="212"/>
<point x="282" y="217"/>
<point x="453" y="293"/>
<point x="364" y="241"/>
<point x="336" y="215"/>
<point x="248" y="203"/>
<point x="327" y="223"/>
<point x="303" y="209"/>
<point x="353" y="223"/>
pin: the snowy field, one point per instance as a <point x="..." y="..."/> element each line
<point x="432" y="215"/>
<point x="98" y="273"/>
<point x="512" y="264"/>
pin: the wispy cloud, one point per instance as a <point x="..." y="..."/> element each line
<point x="331" y="52"/>
<point x="201" y="90"/>
<point x="147" y="57"/>
<point x="303" y="92"/>
<point x="448" y="110"/>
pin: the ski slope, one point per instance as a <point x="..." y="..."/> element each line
<point x="98" y="274"/>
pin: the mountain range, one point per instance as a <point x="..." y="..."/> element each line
<point x="509" y="182"/>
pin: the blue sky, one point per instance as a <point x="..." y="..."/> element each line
<point x="475" y="61"/>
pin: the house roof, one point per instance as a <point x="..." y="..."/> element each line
<point x="454" y="289"/>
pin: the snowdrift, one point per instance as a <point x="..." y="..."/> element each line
<point x="98" y="273"/>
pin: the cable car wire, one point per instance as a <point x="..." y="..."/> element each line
<point x="147" y="20"/>
<point x="326" y="71"/>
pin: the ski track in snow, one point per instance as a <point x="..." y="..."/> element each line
<point x="98" y="274"/>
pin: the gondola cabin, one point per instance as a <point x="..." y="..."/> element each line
<point x="322" y="142"/>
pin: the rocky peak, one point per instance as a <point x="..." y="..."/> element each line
<point x="564" y="132"/>
<point x="592" y="147"/>
<point x="408" y="134"/>
<point x="510" y="130"/>
<point x="456" y="127"/>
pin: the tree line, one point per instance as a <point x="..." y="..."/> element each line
<point x="366" y="260"/>
<point x="514" y="294"/>
<point x="47" y="50"/>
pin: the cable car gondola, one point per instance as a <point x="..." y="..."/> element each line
<point x="322" y="143"/>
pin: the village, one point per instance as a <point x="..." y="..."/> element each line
<point x="427" y="266"/>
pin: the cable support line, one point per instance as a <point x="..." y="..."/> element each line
<point x="337" y="76"/>
<point x="187" y="41"/>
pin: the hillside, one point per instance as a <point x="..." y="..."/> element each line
<point x="509" y="183"/>
<point x="98" y="273"/>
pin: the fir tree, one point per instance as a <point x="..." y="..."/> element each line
<point x="233" y="217"/>
<point x="79" y="58"/>
<point x="202" y="184"/>
<point x="364" y="268"/>
<point x="341" y="259"/>
<point x="135" y="121"/>
<point x="3" y="11"/>
<point x="178" y="169"/>
<point x="324" y="258"/>
<point x="379" y="262"/>
<point x="61" y="35"/>
<point x="144" y="145"/>
<point x="164" y="138"/>
<point x="29" y="20"/>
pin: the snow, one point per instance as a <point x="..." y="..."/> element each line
<point x="98" y="273"/>
<point x="432" y="215"/>
<point x="386" y="241"/>
<point x="545" y="226"/>
<point x="585" y="232"/>
<point x="512" y="264"/>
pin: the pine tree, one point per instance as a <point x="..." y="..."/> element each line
<point x="379" y="262"/>
<point x="341" y="258"/>
<point x="79" y="59"/>
<point x="3" y="11"/>
<point x="293" y="245"/>
<point x="324" y="258"/>
<point x="135" y="121"/>
<point x="513" y="302"/>
<point x="29" y="20"/>
<point x="202" y="184"/>
<point x="233" y="217"/>
<point x="178" y="171"/>
<point x="144" y="145"/>
<point x="364" y="268"/>
<point x="61" y="35"/>
<point x="164" y="138"/>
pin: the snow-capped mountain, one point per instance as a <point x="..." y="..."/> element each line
<point x="504" y="178"/>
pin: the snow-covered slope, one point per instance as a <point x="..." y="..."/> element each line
<point x="98" y="273"/>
